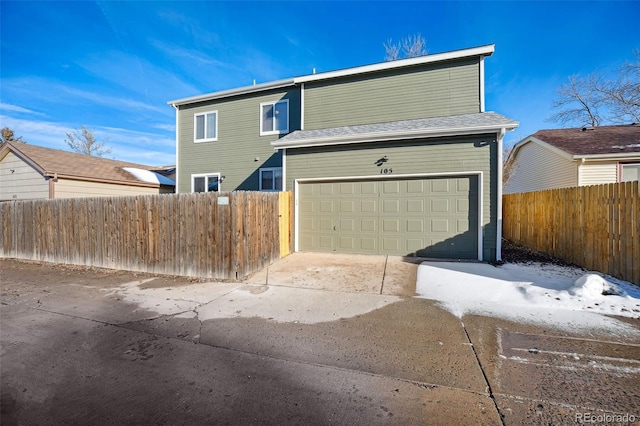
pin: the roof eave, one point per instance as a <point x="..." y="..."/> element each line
<point x="388" y="136"/>
<point x="382" y="66"/>
<point x="98" y="180"/>
<point x="233" y="92"/>
<point x="611" y="156"/>
<point x="480" y="51"/>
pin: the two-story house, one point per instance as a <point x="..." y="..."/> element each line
<point x="392" y="158"/>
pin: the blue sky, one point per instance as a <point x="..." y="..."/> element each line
<point x="112" y="66"/>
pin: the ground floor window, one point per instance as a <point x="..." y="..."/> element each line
<point x="208" y="182"/>
<point x="271" y="179"/>
<point x="630" y="172"/>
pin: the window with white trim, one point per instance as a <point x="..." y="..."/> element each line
<point x="206" y="182"/>
<point x="274" y="117"/>
<point x="271" y="179"/>
<point x="630" y="172"/>
<point x="205" y="126"/>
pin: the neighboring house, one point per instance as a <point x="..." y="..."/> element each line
<point x="392" y="158"/>
<point x="29" y="171"/>
<point x="563" y="158"/>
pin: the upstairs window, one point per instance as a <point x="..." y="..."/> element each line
<point x="271" y="179"/>
<point x="205" y="182"/>
<point x="274" y="117"/>
<point x="206" y="127"/>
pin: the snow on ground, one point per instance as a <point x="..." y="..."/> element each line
<point x="562" y="297"/>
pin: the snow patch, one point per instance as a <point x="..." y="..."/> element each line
<point x="562" y="297"/>
<point x="149" y="176"/>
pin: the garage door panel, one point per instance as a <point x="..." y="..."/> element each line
<point x="434" y="217"/>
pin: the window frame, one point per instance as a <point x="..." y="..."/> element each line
<point x="195" y="127"/>
<point x="274" y="170"/>
<point x="205" y="175"/>
<point x="273" y="131"/>
<point x="629" y="165"/>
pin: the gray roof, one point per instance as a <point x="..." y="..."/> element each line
<point x="435" y="126"/>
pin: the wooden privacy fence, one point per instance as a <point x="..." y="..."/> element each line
<point x="212" y="235"/>
<point x="596" y="227"/>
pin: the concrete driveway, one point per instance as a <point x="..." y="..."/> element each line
<point x="82" y="346"/>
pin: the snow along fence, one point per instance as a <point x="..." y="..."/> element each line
<point x="225" y="235"/>
<point x="596" y="227"/>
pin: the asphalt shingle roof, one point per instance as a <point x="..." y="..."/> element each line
<point x="594" y="140"/>
<point x="76" y="165"/>
<point x="489" y="119"/>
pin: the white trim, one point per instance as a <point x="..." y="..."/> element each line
<point x="388" y="136"/>
<point x="478" y="174"/>
<point x="195" y="175"/>
<point x="499" y="140"/>
<point x="482" y="105"/>
<point x="274" y="132"/>
<point x="389" y="65"/>
<point x="302" y="106"/>
<point x="269" y="169"/>
<point x="608" y="157"/>
<point x="195" y="127"/>
<point x="284" y="169"/>
<point x="177" y="190"/>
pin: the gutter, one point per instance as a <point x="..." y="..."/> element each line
<point x="499" y="206"/>
<point x="386" y="136"/>
<point x="55" y="177"/>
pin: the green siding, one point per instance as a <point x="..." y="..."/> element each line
<point x="431" y="90"/>
<point x="239" y="142"/>
<point x="410" y="157"/>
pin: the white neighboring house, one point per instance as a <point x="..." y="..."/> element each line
<point x="563" y="158"/>
<point x="29" y="171"/>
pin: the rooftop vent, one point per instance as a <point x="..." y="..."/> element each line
<point x="584" y="129"/>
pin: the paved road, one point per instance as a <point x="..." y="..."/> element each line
<point x="83" y="346"/>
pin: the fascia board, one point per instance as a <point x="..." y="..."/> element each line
<point x="233" y="92"/>
<point x="608" y="157"/>
<point x="380" y="137"/>
<point x="420" y="60"/>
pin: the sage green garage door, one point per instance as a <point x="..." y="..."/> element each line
<point x="435" y="217"/>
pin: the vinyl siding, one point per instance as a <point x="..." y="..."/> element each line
<point x="411" y="157"/>
<point x="24" y="183"/>
<point x="69" y="188"/>
<point x="538" y="168"/>
<point x="597" y="173"/>
<point x="240" y="151"/>
<point x="431" y="90"/>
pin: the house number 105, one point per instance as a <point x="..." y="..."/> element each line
<point x="386" y="171"/>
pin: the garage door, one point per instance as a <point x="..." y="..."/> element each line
<point x="435" y="217"/>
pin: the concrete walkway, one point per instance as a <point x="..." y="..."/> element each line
<point x="392" y="275"/>
<point x="83" y="346"/>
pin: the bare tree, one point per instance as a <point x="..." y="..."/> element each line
<point x="623" y="94"/>
<point x="84" y="142"/>
<point x="509" y="165"/>
<point x="594" y="99"/>
<point x="579" y="101"/>
<point x="9" y="136"/>
<point x="408" y="47"/>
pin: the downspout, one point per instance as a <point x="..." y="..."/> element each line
<point x="177" y="133"/>
<point x="52" y="184"/>
<point x="301" y="106"/>
<point x="499" y="207"/>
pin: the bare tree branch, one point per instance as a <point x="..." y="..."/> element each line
<point x="84" y="142"/>
<point x="410" y="47"/>
<point x="593" y="100"/>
